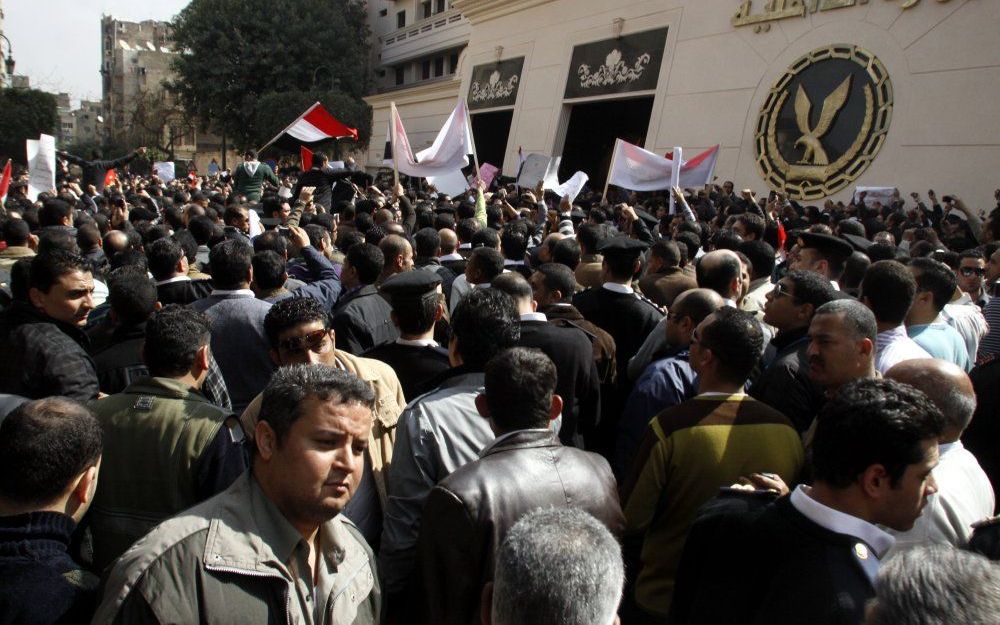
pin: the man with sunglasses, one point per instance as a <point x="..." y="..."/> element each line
<point x="298" y="332"/>
<point x="971" y="276"/>
<point x="785" y="384"/>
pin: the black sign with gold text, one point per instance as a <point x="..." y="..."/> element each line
<point x="623" y="65"/>
<point x="495" y="84"/>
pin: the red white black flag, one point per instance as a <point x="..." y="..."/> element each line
<point x="312" y="127"/>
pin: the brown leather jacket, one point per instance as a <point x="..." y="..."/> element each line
<point x="469" y="513"/>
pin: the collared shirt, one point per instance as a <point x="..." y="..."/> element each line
<point x="174" y="279"/>
<point x="230" y="292"/>
<point x="417" y="342"/>
<point x="877" y="539"/>
<point x="452" y="256"/>
<point x="615" y="287"/>
<point x="513" y="263"/>
<point x="893" y="347"/>
<point x="534" y="316"/>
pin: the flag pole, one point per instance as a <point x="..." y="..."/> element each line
<point x="393" y="115"/>
<point x="472" y="141"/>
<point x="675" y="176"/>
<point x="607" y="182"/>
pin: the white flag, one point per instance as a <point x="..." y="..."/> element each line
<point x="164" y="170"/>
<point x="698" y="171"/>
<point x="636" y="169"/>
<point x="448" y="153"/>
<point x="572" y="187"/>
<point x="41" y="165"/>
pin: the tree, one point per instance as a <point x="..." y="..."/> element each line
<point x="27" y="113"/>
<point x="235" y="52"/>
<point x="156" y="121"/>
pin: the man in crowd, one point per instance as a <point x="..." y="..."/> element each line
<point x="443" y="430"/>
<point x="841" y="348"/>
<point x="170" y="269"/>
<point x="552" y="287"/>
<point x="761" y="257"/>
<point x="250" y="175"/>
<point x="48" y="339"/>
<point x="468" y="514"/>
<point x="483" y="265"/>
<point x="273" y="546"/>
<point x="322" y="178"/>
<point x="19" y="243"/>
<point x="50" y="454"/>
<point x="589" y="273"/>
<point x="665" y="278"/>
<point x="362" y="317"/>
<point x="822" y="253"/>
<point x="577" y="382"/>
<point x="964" y="494"/>
<point x="398" y="255"/>
<point x="785" y="384"/>
<point x="556" y="566"/>
<point x="935" y="286"/>
<point x="237" y="318"/>
<point x="667" y="381"/>
<point x="427" y="249"/>
<point x="888" y="288"/>
<point x="692" y="449"/>
<point x="971" y="277"/>
<point x="416" y="307"/>
<point x="166" y="446"/>
<point x="95" y="170"/>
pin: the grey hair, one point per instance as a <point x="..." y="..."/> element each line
<point x="558" y="566"/>
<point x="289" y="386"/>
<point x="859" y="319"/>
<point x="936" y="585"/>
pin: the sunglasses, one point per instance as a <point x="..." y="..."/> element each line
<point x="968" y="272"/>
<point x="314" y="341"/>
<point x="780" y="289"/>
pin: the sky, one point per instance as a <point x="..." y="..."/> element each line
<point x="57" y="43"/>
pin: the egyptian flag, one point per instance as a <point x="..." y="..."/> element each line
<point x="306" y="156"/>
<point x="311" y="128"/>
<point x="110" y="177"/>
<point x="5" y="181"/>
<point x="698" y="171"/>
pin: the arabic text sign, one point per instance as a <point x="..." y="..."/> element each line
<point x="41" y="165"/>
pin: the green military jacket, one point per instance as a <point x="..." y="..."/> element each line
<point x="229" y="560"/>
<point x="155" y="432"/>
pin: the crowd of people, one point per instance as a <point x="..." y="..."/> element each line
<point x="279" y="396"/>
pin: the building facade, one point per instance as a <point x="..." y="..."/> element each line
<point x="811" y="98"/>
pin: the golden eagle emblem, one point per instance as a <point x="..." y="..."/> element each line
<point x="813" y="152"/>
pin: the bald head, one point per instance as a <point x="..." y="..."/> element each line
<point x="449" y="240"/>
<point x="115" y="241"/>
<point x="697" y="304"/>
<point x="945" y="384"/>
<point x="720" y="271"/>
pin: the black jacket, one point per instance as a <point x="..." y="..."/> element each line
<point x="785" y="384"/>
<point x="626" y="317"/>
<point x="95" y="171"/>
<point x="361" y="321"/>
<point x="414" y="365"/>
<point x="41" y="583"/>
<point x="324" y="182"/>
<point x="183" y="292"/>
<point x="468" y="514"/>
<point x="577" y="381"/>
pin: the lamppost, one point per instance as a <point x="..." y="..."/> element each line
<point x="8" y="60"/>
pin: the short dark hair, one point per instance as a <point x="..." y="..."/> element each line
<point x="16" y="231"/>
<point x="230" y="261"/>
<point x="201" y="228"/>
<point x="367" y="260"/>
<point x="52" y="212"/>
<point x="186" y="240"/>
<point x="416" y="316"/>
<point x="44" y="445"/>
<point x="52" y="239"/>
<point x="513" y="284"/>
<point x="486" y="237"/>
<point x="668" y="252"/>
<point x="292" y="312"/>
<point x="811" y="287"/>
<point x="736" y="340"/>
<point x="567" y="252"/>
<point x="163" y="256"/>
<point x="590" y="237"/>
<point x="761" y="256"/>
<point x="174" y="334"/>
<point x="753" y="223"/>
<point x="132" y="295"/>
<point x="691" y="243"/>
<point x="46" y="269"/>
<point x="466" y="228"/>
<point x="889" y="288"/>
<point x="88" y="236"/>
<point x="271" y="241"/>
<point x="558" y="277"/>
<point x="129" y="257"/>
<point x="488" y="261"/>
<point x="484" y="323"/>
<point x="426" y="242"/>
<point x="519" y="384"/>
<point x="268" y="270"/>
<point x="872" y="422"/>
<point x="514" y="241"/>
<point x="858" y="318"/>
<point x="234" y="211"/>
<point x="936" y="278"/>
<point x="281" y="404"/>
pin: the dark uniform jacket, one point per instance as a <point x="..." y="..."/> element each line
<point x="362" y="321"/>
<point x="166" y="448"/>
<point x="785" y="384"/>
<point x="183" y="292"/>
<point x="44" y="357"/>
<point x="468" y="514"/>
<point x="627" y="317"/>
<point x="577" y="381"/>
<point x="414" y="365"/>
<point x="324" y="181"/>
<point x="40" y="582"/>
<point x="447" y="275"/>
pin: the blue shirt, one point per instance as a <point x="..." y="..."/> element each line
<point x="942" y="341"/>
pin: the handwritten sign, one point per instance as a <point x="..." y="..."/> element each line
<point x="775" y="10"/>
<point x="41" y="165"/>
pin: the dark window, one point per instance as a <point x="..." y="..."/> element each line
<point x="440" y="6"/>
<point x="454" y="63"/>
<point x="400" y="75"/>
<point x="425" y="70"/>
<point x="383" y="12"/>
<point x="439" y="66"/>
<point x="401" y="19"/>
<point x="425" y="9"/>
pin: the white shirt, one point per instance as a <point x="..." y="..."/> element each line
<point x="968" y="319"/>
<point x="534" y="316"/>
<point x="174" y="279"/>
<point x="224" y="292"/>
<point x="842" y="523"/>
<point x="964" y="497"/>
<point x="893" y="347"/>
<point x="417" y="342"/>
<point x="614" y="287"/>
<point x="452" y="256"/>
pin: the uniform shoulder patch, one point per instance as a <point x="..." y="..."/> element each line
<point x="144" y="402"/>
